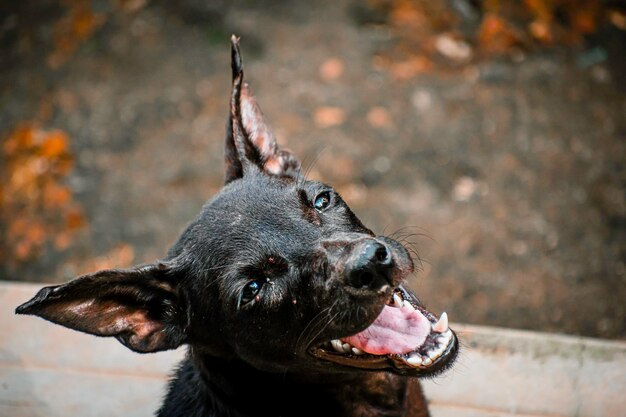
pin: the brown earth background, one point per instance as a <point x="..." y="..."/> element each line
<point x="490" y="136"/>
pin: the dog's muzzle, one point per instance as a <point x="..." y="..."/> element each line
<point x="400" y="335"/>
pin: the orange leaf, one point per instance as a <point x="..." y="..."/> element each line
<point x="541" y="31"/>
<point x="379" y="117"/>
<point x="36" y="234"/>
<point x="329" y="116"/>
<point x="56" y="196"/>
<point x="413" y="66"/>
<point x="331" y="69"/>
<point x="584" y="20"/>
<point x="63" y="240"/>
<point x="54" y="145"/>
<point x="495" y="35"/>
<point x="74" y="219"/>
<point x="20" y="139"/>
<point x="22" y="250"/>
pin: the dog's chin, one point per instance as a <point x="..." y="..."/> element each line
<point x="408" y="341"/>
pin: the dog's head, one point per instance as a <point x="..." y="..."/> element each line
<point x="276" y="271"/>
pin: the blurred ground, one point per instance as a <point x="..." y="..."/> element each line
<point x="500" y="158"/>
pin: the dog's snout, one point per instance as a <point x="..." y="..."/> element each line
<point x="369" y="267"/>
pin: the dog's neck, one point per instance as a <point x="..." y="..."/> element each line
<point x="219" y="387"/>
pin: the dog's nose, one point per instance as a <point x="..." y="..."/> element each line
<point x="370" y="265"/>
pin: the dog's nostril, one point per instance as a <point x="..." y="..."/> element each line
<point x="376" y="254"/>
<point x="364" y="279"/>
<point x="382" y="256"/>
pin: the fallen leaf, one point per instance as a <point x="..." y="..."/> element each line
<point x="453" y="48"/>
<point x="329" y="116"/>
<point x="79" y="23"/>
<point x="411" y="67"/>
<point x="54" y="145"/>
<point x="331" y="69"/>
<point x="379" y="117"/>
<point x="495" y="35"/>
<point x="541" y="31"/>
<point x="36" y="206"/>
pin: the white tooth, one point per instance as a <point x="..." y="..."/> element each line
<point x="442" y="325"/>
<point x="397" y="301"/>
<point x="357" y="351"/>
<point x="347" y="348"/>
<point x="427" y="362"/>
<point x="408" y="305"/>
<point x="449" y="336"/>
<point x="337" y="345"/>
<point x="434" y="354"/>
<point x="414" y="359"/>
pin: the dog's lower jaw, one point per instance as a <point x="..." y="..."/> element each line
<point x="205" y="386"/>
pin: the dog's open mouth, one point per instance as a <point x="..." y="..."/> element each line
<point x="405" y="338"/>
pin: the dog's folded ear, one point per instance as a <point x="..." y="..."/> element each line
<point x="250" y="144"/>
<point x="141" y="307"/>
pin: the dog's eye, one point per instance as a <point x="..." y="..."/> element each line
<point x="322" y="201"/>
<point x="250" y="291"/>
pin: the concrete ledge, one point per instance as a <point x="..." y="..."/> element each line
<point x="50" y="371"/>
<point x="504" y="372"/>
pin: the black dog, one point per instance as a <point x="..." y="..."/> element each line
<point x="289" y="305"/>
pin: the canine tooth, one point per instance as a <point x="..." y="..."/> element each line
<point x="347" y="348"/>
<point x="357" y="351"/>
<point x="397" y="301"/>
<point x="414" y="359"/>
<point x="427" y="361"/>
<point x="408" y="305"/>
<point x="337" y="345"/>
<point x="434" y="354"/>
<point x="442" y="324"/>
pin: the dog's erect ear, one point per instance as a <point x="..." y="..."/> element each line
<point x="250" y="144"/>
<point x="141" y="307"/>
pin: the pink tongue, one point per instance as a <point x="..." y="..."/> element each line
<point x="395" y="330"/>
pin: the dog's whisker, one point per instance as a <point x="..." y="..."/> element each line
<point x="413" y="253"/>
<point x="300" y="179"/>
<point x="423" y="232"/>
<point x="311" y="323"/>
<point x="309" y="329"/>
<point x="312" y="164"/>
<point x="325" y="325"/>
<point x="385" y="230"/>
